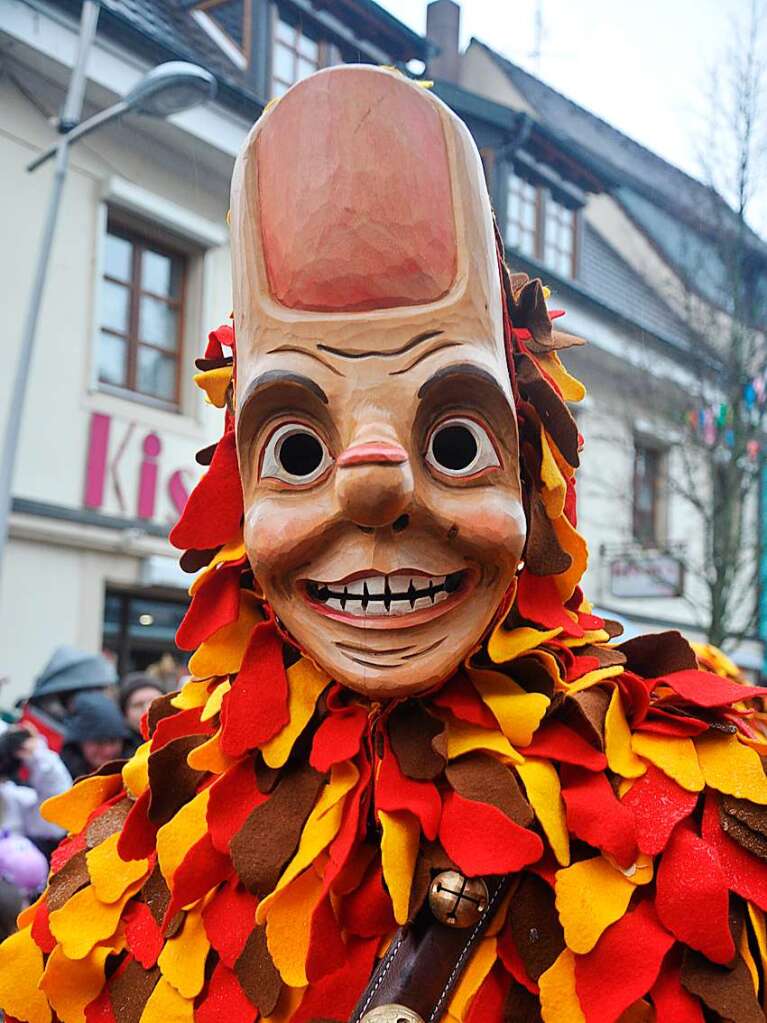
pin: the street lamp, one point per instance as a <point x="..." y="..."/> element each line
<point x="166" y="89"/>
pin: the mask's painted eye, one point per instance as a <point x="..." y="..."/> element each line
<point x="295" y="454"/>
<point x="460" y="447"/>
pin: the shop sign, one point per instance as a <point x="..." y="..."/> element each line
<point x="646" y="575"/>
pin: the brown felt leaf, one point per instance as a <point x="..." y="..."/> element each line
<point x="745" y="823"/>
<point x="159" y="709"/>
<point x="130" y="989"/>
<point x="748" y="813"/>
<point x="432" y="860"/>
<point x="266" y="777"/>
<point x="543" y="553"/>
<point x="156" y="894"/>
<point x="521" y="1006"/>
<point x="412" y="732"/>
<point x="727" y="992"/>
<point x="554" y="413"/>
<point x="270" y="835"/>
<point x="107" y="823"/>
<point x="535" y="925"/>
<point x="192" y="561"/>
<point x="205" y="455"/>
<point x="530" y="674"/>
<point x="483" y="779"/>
<point x="172" y="781"/>
<point x="257" y="973"/>
<point x="608" y="656"/>
<point x="586" y="712"/>
<point x="658" y="653"/>
<point x="613" y="629"/>
<point x="70" y="879"/>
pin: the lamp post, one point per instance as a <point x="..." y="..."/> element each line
<point x="166" y="89"/>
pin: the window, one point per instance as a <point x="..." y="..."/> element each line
<point x="648" y="494"/>
<point x="141" y="309"/>
<point x="294" y="56"/>
<point x="539" y="226"/>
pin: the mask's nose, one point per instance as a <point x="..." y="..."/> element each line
<point x="374" y="483"/>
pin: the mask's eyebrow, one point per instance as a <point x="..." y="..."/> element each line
<point x="462" y="371"/>
<point x="281" y="376"/>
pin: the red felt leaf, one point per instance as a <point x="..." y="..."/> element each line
<point x="395" y="791"/>
<point x="143" y="934"/>
<point x="327" y="951"/>
<point x="461" y="698"/>
<point x="597" y="816"/>
<point x="334" y="997"/>
<point x="509" y="955"/>
<point x="555" y="741"/>
<point x="228" y="920"/>
<point x="256" y="707"/>
<point x="623" y="966"/>
<point x="232" y="798"/>
<point x="338" y="737"/>
<point x="352" y="824"/>
<point x="201" y="870"/>
<point x="367" y="910"/>
<point x="661" y="723"/>
<point x="99" y="1010"/>
<point x="223" y="335"/>
<point x="745" y="874"/>
<point x="40" y="931"/>
<point x="658" y="804"/>
<point x="186" y="722"/>
<point x="635" y="696"/>
<point x="213" y="512"/>
<point x="215" y="604"/>
<point x="488" y="1003"/>
<point x="137" y="838"/>
<point x="66" y="850"/>
<point x="705" y="689"/>
<point x="538" y="601"/>
<point x="482" y="840"/>
<point x="224" y="999"/>
<point x="673" y="1003"/>
<point x="692" y="897"/>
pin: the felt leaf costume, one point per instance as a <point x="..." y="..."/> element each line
<point x="257" y="855"/>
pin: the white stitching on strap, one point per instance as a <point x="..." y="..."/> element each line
<point x="379" y="980"/>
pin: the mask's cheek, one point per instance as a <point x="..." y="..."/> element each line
<point x="488" y="526"/>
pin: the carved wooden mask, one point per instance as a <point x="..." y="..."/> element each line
<point x="376" y="430"/>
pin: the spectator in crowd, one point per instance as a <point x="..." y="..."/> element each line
<point x="135" y="695"/>
<point x="95" y="733"/>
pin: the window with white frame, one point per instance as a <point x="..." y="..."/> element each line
<point x="559" y="237"/>
<point x="294" y="55"/>
<point x="538" y="225"/>
<point x="522" y="215"/>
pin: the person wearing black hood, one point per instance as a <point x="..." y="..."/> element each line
<point x="135" y="695"/>
<point x="96" y="733"/>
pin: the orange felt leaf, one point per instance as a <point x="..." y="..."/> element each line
<point x="166" y="1005"/>
<point x="305" y="683"/>
<point x="559" y="1000"/>
<point x="71" y="809"/>
<point x="111" y="875"/>
<point x="675" y="757"/>
<point x="590" y="895"/>
<point x="84" y="921"/>
<point x="176" y="838"/>
<point x="71" y="986"/>
<point x="288" y="928"/>
<point x="182" y="960"/>
<point x="730" y="767"/>
<point x="21" y="967"/>
<point x="210" y="757"/>
<point x="222" y="654"/>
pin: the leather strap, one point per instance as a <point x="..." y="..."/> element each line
<point x="425" y="961"/>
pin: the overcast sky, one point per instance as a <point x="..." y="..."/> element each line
<point x="642" y="65"/>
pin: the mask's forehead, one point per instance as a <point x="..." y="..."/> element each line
<point x="360" y="218"/>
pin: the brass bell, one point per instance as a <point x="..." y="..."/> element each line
<point x="457" y="901"/>
<point x="391" y="1014"/>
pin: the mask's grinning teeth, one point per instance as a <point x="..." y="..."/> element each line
<point x="390" y="595"/>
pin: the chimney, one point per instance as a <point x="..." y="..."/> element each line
<point x="443" y="27"/>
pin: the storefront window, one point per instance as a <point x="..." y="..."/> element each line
<point x="141" y="304"/>
<point x="140" y="631"/>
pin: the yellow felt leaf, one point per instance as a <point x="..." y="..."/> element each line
<point x="230" y="552"/>
<point x="175" y="839"/>
<point x="589" y="637"/>
<point x="84" y="921"/>
<point x="506" y="644"/>
<point x="554" y="483"/>
<point x="288" y="927"/>
<point x="559" y="1001"/>
<point x="591" y="678"/>
<point x="729" y="766"/>
<point x="110" y="875"/>
<point x="571" y="388"/>
<point x="27" y="916"/>
<point x="675" y="757"/>
<point x="166" y="1005"/>
<point x="193" y="694"/>
<point x="640" y="872"/>
<point x="72" y="808"/>
<point x="182" y="960"/>
<point x="571" y="541"/>
<point x="621" y="758"/>
<point x="72" y="985"/>
<point x="223" y="652"/>
<point x="543" y="790"/>
<point x="756" y="917"/>
<point x="479" y="965"/>
<point x="590" y="895"/>
<point x="214" y="701"/>
<point x="320" y="829"/>
<point x="748" y="959"/>
<point x="210" y="757"/>
<point x="215" y="383"/>
<point x="463" y="737"/>
<point x="21" y="967"/>
<point x="135" y="773"/>
<point x="399" y="849"/>
<point x="305" y="683"/>
<point x="518" y="713"/>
